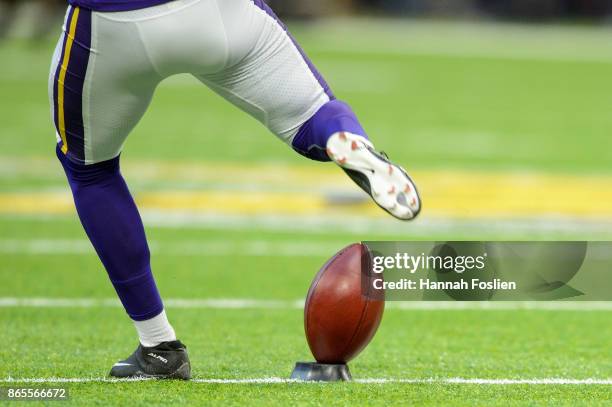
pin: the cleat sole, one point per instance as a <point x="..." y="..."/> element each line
<point x="373" y="172"/>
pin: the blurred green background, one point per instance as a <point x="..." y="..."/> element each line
<point x="501" y="114"/>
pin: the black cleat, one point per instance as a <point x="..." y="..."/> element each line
<point x="168" y="360"/>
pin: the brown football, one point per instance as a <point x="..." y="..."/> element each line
<point x="339" y="320"/>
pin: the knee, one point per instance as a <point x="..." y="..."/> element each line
<point x="83" y="174"/>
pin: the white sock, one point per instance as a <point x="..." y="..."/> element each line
<point x="154" y="331"/>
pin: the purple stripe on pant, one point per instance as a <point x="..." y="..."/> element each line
<point x="57" y="71"/>
<point x="73" y="87"/>
<point x="116" y="5"/>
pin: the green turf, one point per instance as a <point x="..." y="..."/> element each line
<point x="545" y="110"/>
<point x="231" y="344"/>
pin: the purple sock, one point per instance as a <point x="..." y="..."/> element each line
<point x="333" y="117"/>
<point x="111" y="220"/>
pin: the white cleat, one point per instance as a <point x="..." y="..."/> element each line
<point x="388" y="184"/>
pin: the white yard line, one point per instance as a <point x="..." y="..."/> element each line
<point x="246" y="303"/>
<point x="207" y="248"/>
<point x="276" y="380"/>
<point x="214" y="303"/>
<point x="218" y="247"/>
<point x="370" y="228"/>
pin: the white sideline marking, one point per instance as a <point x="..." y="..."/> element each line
<point x="245" y="303"/>
<point x="274" y="380"/>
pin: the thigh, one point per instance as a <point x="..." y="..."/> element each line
<point x="100" y="86"/>
<point x="268" y="75"/>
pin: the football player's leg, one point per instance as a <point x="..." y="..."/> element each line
<point x="269" y="76"/>
<point x="98" y="92"/>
